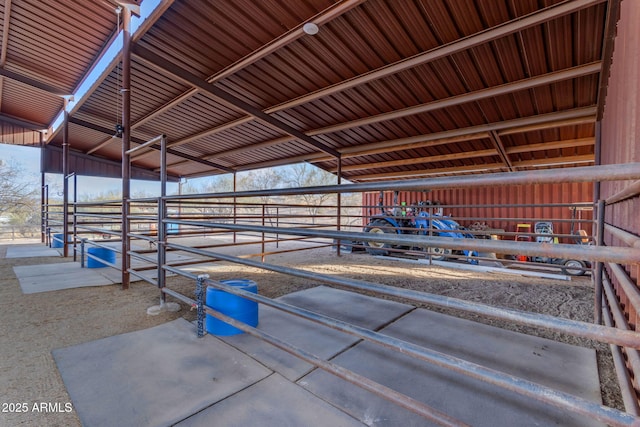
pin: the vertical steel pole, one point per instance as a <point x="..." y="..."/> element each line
<point x="47" y="229"/>
<point x="82" y="244"/>
<point x="597" y="158"/>
<point x="200" y="302"/>
<point x="42" y="184"/>
<point x="75" y="214"/>
<point x="162" y="226"/>
<point x="65" y="181"/>
<point x="599" y="265"/>
<point x="126" y="142"/>
<point x="339" y="203"/>
<point x="235" y="206"/>
<point x="263" y="215"/>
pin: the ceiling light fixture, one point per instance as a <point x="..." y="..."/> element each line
<point x="310" y="28"/>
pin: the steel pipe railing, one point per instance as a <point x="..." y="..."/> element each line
<point x="572" y="327"/>
<point x="616" y="172"/>
<point x="491" y="376"/>
<point x="621" y="323"/>
<point x="591" y="253"/>
<point x="387" y="393"/>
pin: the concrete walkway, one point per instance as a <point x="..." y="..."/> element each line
<point x="166" y="376"/>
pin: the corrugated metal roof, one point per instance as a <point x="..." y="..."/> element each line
<point x="400" y="88"/>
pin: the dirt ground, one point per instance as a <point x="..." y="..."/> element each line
<point x="32" y="325"/>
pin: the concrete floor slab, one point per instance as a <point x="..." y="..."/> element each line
<point x="324" y="342"/>
<point x="557" y="365"/>
<point x="319" y="340"/>
<point x="351" y="307"/>
<point x="154" y="377"/>
<point x="272" y="402"/>
<point x="68" y="275"/>
<point x="54" y="277"/>
<point x="31" y="250"/>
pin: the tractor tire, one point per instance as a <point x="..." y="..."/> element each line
<point x="574" y="267"/>
<point x="438" y="254"/>
<point x="378" y="226"/>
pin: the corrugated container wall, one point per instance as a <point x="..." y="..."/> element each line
<point x="488" y="204"/>
<point x="620" y="133"/>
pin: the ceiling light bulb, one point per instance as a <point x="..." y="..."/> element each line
<point x="310" y="28"/>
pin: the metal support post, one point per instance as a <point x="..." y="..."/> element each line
<point x="339" y="204"/>
<point x="161" y="246"/>
<point x="162" y="215"/>
<point x="263" y="245"/>
<point x="82" y="243"/>
<point x="599" y="265"/>
<point x="235" y="206"/>
<point x="42" y="190"/>
<point x="65" y="181"/>
<point x="126" y="143"/>
<point x="200" y="302"/>
<point x="75" y="214"/>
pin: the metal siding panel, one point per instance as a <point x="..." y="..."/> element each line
<point x="537" y="194"/>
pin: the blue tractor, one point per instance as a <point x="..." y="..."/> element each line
<point x="417" y="219"/>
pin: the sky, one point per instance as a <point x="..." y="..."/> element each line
<point x="28" y="159"/>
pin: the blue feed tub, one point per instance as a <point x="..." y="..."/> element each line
<point x="104" y="254"/>
<point x="58" y="240"/>
<point x="233" y="306"/>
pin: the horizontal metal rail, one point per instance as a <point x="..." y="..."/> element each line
<point x="630" y="289"/>
<point x="616" y="172"/>
<point x="630" y="239"/>
<point x="567" y="326"/>
<point x="631" y="191"/>
<point x="621" y="323"/>
<point x="491" y="376"/>
<point x="152" y="141"/>
<point x="627" y="391"/>
<point x="554" y="250"/>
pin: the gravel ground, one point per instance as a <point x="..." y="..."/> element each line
<point x="33" y="325"/>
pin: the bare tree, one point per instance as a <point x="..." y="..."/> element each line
<point x="16" y="193"/>
<point x="305" y="175"/>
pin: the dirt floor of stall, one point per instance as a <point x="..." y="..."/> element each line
<point x="33" y="325"/>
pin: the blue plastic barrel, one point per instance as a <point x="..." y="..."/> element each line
<point x="103" y="253"/>
<point x="233" y="306"/>
<point x="58" y="240"/>
<point x="173" y="228"/>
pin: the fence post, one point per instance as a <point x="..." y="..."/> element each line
<point x="599" y="265"/>
<point x="82" y="252"/>
<point x="200" y="302"/>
